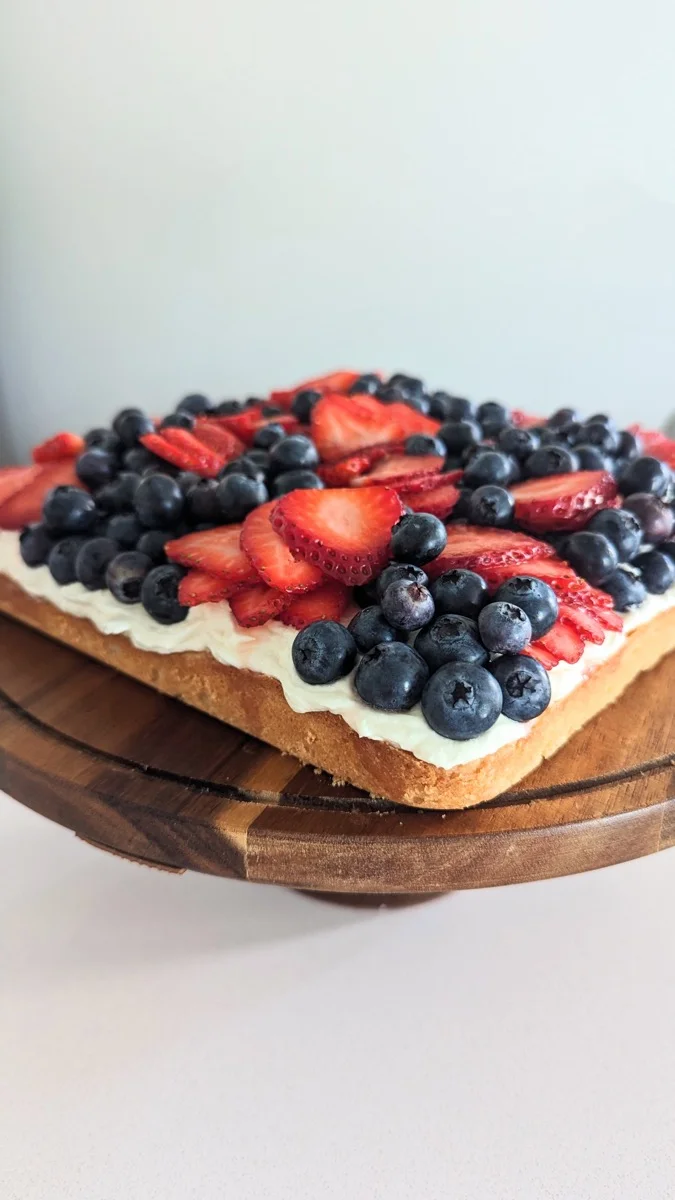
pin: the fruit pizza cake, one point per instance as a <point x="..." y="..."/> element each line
<point x="418" y="595"/>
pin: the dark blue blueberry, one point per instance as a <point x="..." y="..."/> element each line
<point x="567" y="435"/>
<point x="130" y="424"/>
<point x="289" y="481"/>
<point x="418" y="403"/>
<point x="450" y="638"/>
<point x="623" y="529"/>
<point x="159" y="595"/>
<point x="238" y="496"/>
<point x="422" y="443"/>
<point x="595" y="433"/>
<point x="626" y="588"/>
<point x="323" y="652"/>
<point x="461" y="509"/>
<point x="520" y="443"/>
<point x="270" y="410"/>
<point x="504" y="628"/>
<point x="294" y="453"/>
<point x="461" y="701"/>
<point x="303" y="404"/>
<point x="125" y="575"/>
<point x="536" y="599"/>
<point x="655" y="517"/>
<point x="365" y="385"/>
<point x="668" y="548"/>
<point x="645" y="474"/>
<point x="35" y="544"/>
<point x="118" y="495"/>
<point x="491" y="505"/>
<point x="460" y="435"/>
<point x="186" y="480"/>
<point x="552" y="460"/>
<point x="246" y="465"/>
<point x="370" y="627"/>
<point x="592" y="556"/>
<point x="630" y="445"/>
<point x="407" y="605"/>
<point x="657" y="570"/>
<point x="365" y="594"/>
<point x="458" y="591"/>
<point x="138" y="459"/>
<point x="158" y="502"/>
<point x="444" y="407"/>
<point x="417" y="538"/>
<point x="194" y="403"/>
<point x="267" y="437"/>
<point x="391" y="677"/>
<point x="493" y="417"/>
<point x="259" y="458"/>
<point x="601" y="419"/>
<point x="104" y="439"/>
<point x="408" y="385"/>
<point x="201" y="502"/>
<point x="62" y="556"/>
<point x="68" y="510"/>
<point x="152" y="543"/>
<point x="125" y="529"/>
<point x="563" y="416"/>
<point x="592" y="458"/>
<point x="96" y="467"/>
<point x="227" y="408"/>
<point x="489" y="466"/>
<point x="179" y="420"/>
<point x="525" y="685"/>
<point x="92" y="561"/>
<point x="397" y="571"/>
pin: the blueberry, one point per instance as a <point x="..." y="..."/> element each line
<point x="489" y="466"/>
<point x="668" y="548"/>
<point x="238" y="495"/>
<point x="227" y="408"/>
<point x="459" y="435"/>
<point x="118" y="495"/>
<point x="68" y="510"/>
<point x="179" y="420"/>
<point x="626" y="588"/>
<point x="186" y="480"/>
<point x="657" y="570"/>
<point x="418" y="538"/>
<point x="35" y="544"/>
<point x="525" y="686"/>
<point x="396" y="571"/>
<point x="444" y="407"/>
<point x="138" y="459"/>
<point x="92" y="561"/>
<point x="130" y="424"/>
<point x="246" y="465"/>
<point x="259" y="458"/>
<point x="592" y="556"/>
<point x="62" y="556"/>
<point x="304" y="402"/>
<point x="461" y="701"/>
<point x="370" y="627"/>
<point x="630" y="445"/>
<point x="408" y="385"/>
<point x="645" y="474"/>
<point x="103" y="439"/>
<point x="125" y="574"/>
<point x="459" y="591"/>
<point x="195" y="403"/>
<point x="450" y="638"/>
<point x="601" y="419"/>
<point x="504" y="628"/>
<point x="289" y="481"/>
<point x="201" y="502"/>
<point x="159" y="595"/>
<point x="125" y="529"/>
<point x="96" y="467"/>
<point x="365" y="385"/>
<point x="563" y="416"/>
<point x="365" y="594"/>
<point x="552" y="460"/>
<point x="407" y="605"/>
<point x="152" y="543"/>
<point x="294" y="453"/>
<point x="493" y="417"/>
<point x="623" y="529"/>
<point x="520" y="443"/>
<point x="655" y="517"/>
<point x="596" y="433"/>
<point x="422" y="443"/>
<point x="567" y="435"/>
<point x="592" y="458"/>
<point x="461" y="509"/>
<point x="491" y="505"/>
<point x="536" y="599"/>
<point x="266" y="437"/>
<point x="270" y="410"/>
<point x="391" y="677"/>
<point x="158" y="501"/>
<point x="323" y="652"/>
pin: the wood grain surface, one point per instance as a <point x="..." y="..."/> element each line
<point x="144" y="776"/>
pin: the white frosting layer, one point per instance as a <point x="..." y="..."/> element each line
<point x="212" y="628"/>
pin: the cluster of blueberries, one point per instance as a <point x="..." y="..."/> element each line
<point x="466" y="664"/>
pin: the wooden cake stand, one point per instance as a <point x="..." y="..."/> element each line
<point x="148" y="778"/>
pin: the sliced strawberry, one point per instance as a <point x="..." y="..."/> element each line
<point x="567" y="585"/>
<point x="439" y="501"/>
<point x="427" y="483"/>
<point x="336" y="381"/>
<point x="583" y="620"/>
<point x="182" y="449"/>
<point x="216" y="552"/>
<point x="271" y="557"/>
<point x="542" y="655"/>
<point x="562" y="641"/>
<point x="257" y="605"/>
<point x="58" y="448"/>
<point x="562" y="502"/>
<point x="476" y="548"/>
<point x="24" y="505"/>
<point x="217" y="438"/>
<point x="246" y="424"/>
<point x="346" y="469"/>
<point x="342" y="425"/>
<point x="610" y="619"/>
<point x="396" y="469"/>
<point x="199" y="588"/>
<point x="344" y="531"/>
<point x="12" y="479"/>
<point x="325" y="603"/>
<point x="523" y="420"/>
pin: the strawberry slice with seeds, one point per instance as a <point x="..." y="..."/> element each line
<point x="271" y="556"/>
<point x="428" y="483"/>
<point x="584" y="621"/>
<point x="12" y="479"/>
<point x="216" y="552"/>
<point x="354" y="465"/>
<point x="325" y="603"/>
<point x="542" y="655"/>
<point x="344" y="531"/>
<point x="59" y="448"/>
<point x="199" y="588"/>
<point x="609" y="618"/>
<point x="566" y="584"/>
<point x="335" y="381"/>
<point x="562" y="641"/>
<point x="394" y="471"/>
<point x="179" y="447"/>
<point x="341" y="425"/>
<point x="257" y="605"/>
<point x="246" y="424"/>
<point x="524" y="420"/>
<point x="222" y="441"/>
<point x="24" y="504"/>
<point x="476" y="548"/>
<point x="439" y="501"/>
<point x="562" y="502"/>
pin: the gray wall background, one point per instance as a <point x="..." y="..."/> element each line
<point x="229" y="195"/>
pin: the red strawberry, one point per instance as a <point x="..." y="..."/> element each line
<point x="56" y="449"/>
<point x="199" y="588"/>
<point x="523" y="420"/>
<point x="609" y="619"/>
<point x="216" y="552"/>
<point x="182" y="449"/>
<point x="476" y="548"/>
<point x="257" y="605"/>
<point x="395" y="470"/>
<point x="587" y="625"/>
<point x="344" y="531"/>
<point x="439" y="501"/>
<point x="246" y="424"/>
<point x="346" y="469"/>
<point x="12" y="479"/>
<point x="325" y="603"/>
<point x="337" y="381"/>
<point x="271" y="557"/>
<point x="343" y="424"/>
<point x="568" y="587"/>
<point x="427" y="483"/>
<point x="217" y="438"/>
<point x="547" y="660"/>
<point x="562" y="642"/>
<point x="562" y="502"/>
<point x="25" y="504"/>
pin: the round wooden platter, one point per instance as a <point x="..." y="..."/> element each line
<point x="146" y="777"/>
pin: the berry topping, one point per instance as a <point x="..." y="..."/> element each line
<point x="125" y="575"/>
<point x="323" y="651"/>
<point x="214" y="435"/>
<point x="159" y="594"/>
<point x="553" y="459"/>
<point x="490" y="505"/>
<point x="655" y="517"/>
<point x="592" y="556"/>
<point x="194" y="403"/>
<point x="152" y="543"/>
<point x="535" y="597"/>
<point x="294" y="453"/>
<point x="461" y="701"/>
<point x="626" y="588"/>
<point x="562" y="642"/>
<point x="407" y="605"/>
<point x="35" y="544"/>
<point x="396" y="571"/>
<point x="492" y="416"/>
<point x="645" y="475"/>
<point x="423" y="445"/>
<point x="196" y="587"/>
<point x="238" y="495"/>
<point x="22" y="495"/>
<point x="451" y="638"/>
<point x="562" y="502"/>
<point x="461" y="592"/>
<point x="401" y="470"/>
<point x="370" y="627"/>
<point x="324" y="603"/>
<point x="130" y="425"/>
<point x="475" y="548"/>
<point x="525" y="685"/>
<point x="519" y="443"/>
<point x="439" y="501"/>
<point x="587" y="625"/>
<point x="158" y="501"/>
<point x="13" y="479"/>
<point x="184" y="450"/>
<point x="290" y="481"/>
<point x="56" y="449"/>
<point x="178" y="420"/>
<point x="62" y="558"/>
<point x="257" y="605"/>
<point x="343" y="424"/>
<point x="489" y="466"/>
<point x="391" y="677"/>
<point x="417" y="538"/>
<point x="268" y="435"/>
<point x="657" y="570"/>
<point x="622" y="527"/>
<point x="272" y="558"/>
<point x="69" y="510"/>
<point x="118" y="496"/>
<point x="504" y="628"/>
<point x="303" y="403"/>
<point x="216" y="551"/>
<point x="96" y="467"/>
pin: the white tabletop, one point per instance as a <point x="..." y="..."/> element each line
<point x="166" y="1036"/>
